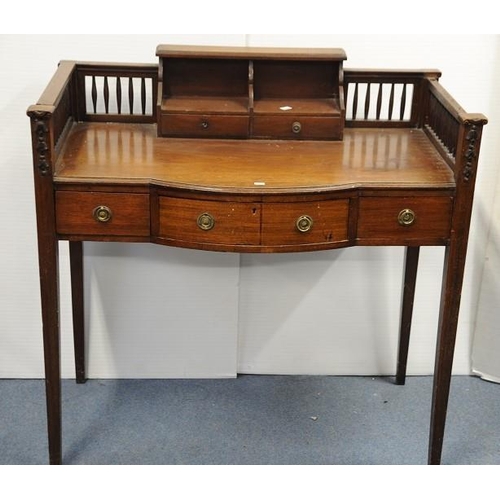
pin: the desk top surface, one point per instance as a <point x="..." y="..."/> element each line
<point x="370" y="158"/>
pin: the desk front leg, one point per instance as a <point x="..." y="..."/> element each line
<point x="49" y="287"/>
<point x="454" y="264"/>
<point x="48" y="259"/>
<point x="468" y="145"/>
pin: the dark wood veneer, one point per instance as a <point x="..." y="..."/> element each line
<point x="283" y="87"/>
<point x="129" y="214"/>
<point x="363" y="157"/>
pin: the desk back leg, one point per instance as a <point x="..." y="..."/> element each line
<point x="409" y="280"/>
<point x="77" y="300"/>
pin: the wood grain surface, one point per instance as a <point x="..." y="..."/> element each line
<point x="366" y="158"/>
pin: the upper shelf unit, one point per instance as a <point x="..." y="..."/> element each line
<point x="242" y="92"/>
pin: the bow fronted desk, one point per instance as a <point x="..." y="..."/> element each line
<point x="252" y="150"/>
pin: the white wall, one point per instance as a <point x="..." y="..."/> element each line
<point x="486" y="340"/>
<point x="164" y="312"/>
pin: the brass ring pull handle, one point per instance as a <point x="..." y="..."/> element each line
<point x="304" y="223"/>
<point x="406" y="217"/>
<point x="205" y="222"/>
<point x="102" y="213"/>
<point x="296" y="127"/>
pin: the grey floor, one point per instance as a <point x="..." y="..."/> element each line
<point x="251" y="420"/>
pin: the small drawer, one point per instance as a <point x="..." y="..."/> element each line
<point x="399" y="221"/>
<point x="209" y="222"/>
<point x="305" y="223"/>
<point x="297" y="127"/>
<point x="114" y="214"/>
<point x="186" y="125"/>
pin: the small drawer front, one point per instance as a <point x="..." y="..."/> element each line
<point x="298" y="127"/>
<point x="404" y="219"/>
<point x="322" y="222"/>
<point x="209" y="222"/>
<point x="114" y="214"/>
<point x="185" y="125"/>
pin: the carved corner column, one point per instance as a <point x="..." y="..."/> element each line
<point x="469" y="141"/>
<point x="43" y="153"/>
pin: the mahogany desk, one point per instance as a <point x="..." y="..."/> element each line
<point x="145" y="153"/>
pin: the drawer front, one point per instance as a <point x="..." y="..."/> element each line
<point x="179" y="125"/>
<point x="298" y="127"/>
<point x="307" y="223"/>
<point x="404" y="219"/>
<point x="114" y="214"/>
<point x="209" y="222"/>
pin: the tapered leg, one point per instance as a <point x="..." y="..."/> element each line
<point x="49" y="287"/>
<point x="410" y="278"/>
<point x="49" y="272"/>
<point x="76" y="264"/>
<point x="454" y="264"/>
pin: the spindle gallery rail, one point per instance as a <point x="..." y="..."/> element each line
<point x="118" y="93"/>
<point x="373" y="98"/>
<point x="390" y="94"/>
<point x="116" y="99"/>
<point x="442" y="121"/>
<point x="82" y="92"/>
<point x="404" y="99"/>
<point x="384" y="98"/>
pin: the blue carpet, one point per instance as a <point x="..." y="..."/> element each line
<point x="251" y="420"/>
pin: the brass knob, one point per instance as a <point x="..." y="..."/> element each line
<point x="204" y="124"/>
<point x="205" y="221"/>
<point x="406" y="217"/>
<point x="102" y="213"/>
<point x="304" y="223"/>
<point x="296" y="127"/>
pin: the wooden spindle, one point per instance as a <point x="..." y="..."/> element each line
<point x="250" y="89"/>
<point x="438" y="123"/>
<point x="119" y="95"/>
<point x="443" y="125"/>
<point x="451" y="140"/>
<point x="355" y="102"/>
<point x="143" y="95"/>
<point x="346" y="93"/>
<point x="131" y="95"/>
<point x="94" y="94"/>
<point x="454" y="138"/>
<point x="106" y="95"/>
<point x="444" y="128"/>
<point x="432" y="112"/>
<point x="379" y="101"/>
<point x="403" y="103"/>
<point x="447" y="131"/>
<point x="391" y="102"/>
<point x="367" y="101"/>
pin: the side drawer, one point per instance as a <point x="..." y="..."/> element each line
<point x="209" y="222"/>
<point x="186" y="125"/>
<point x="401" y="220"/>
<point x="298" y="127"/>
<point x="305" y="223"/>
<point x="96" y="213"/>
